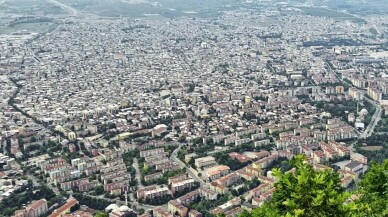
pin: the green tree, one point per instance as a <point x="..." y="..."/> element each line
<point x="182" y="139"/>
<point x="99" y="189"/>
<point x="101" y="214"/>
<point x="374" y="190"/>
<point x="306" y="192"/>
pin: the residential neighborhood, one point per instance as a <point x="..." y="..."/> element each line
<point x="186" y="116"/>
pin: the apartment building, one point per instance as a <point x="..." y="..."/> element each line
<point x="35" y="209"/>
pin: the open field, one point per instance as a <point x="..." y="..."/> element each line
<point x="372" y="148"/>
<point x="325" y="12"/>
<point x="32" y="27"/>
<point x="365" y="7"/>
<point x="30" y="7"/>
<point x="141" y="8"/>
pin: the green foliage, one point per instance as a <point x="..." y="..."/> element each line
<point x="246" y="186"/>
<point x="375" y="140"/>
<point x="94" y="203"/>
<point x="129" y="156"/>
<point x="170" y="148"/>
<point x="105" y="127"/>
<point x="204" y="206"/>
<point x="382" y="125"/>
<point x="191" y="87"/>
<point x="99" y="190"/>
<point x="282" y="163"/>
<point x="101" y="214"/>
<point x="74" y="208"/>
<point x="306" y="192"/>
<point x="374" y="190"/>
<point x="203" y="149"/>
<point x="371" y="110"/>
<point x="182" y="139"/>
<point x="25" y="195"/>
<point x="158" y="200"/>
<point x="223" y="158"/>
<point x="33" y="147"/>
<point x="338" y="108"/>
<point x="181" y="155"/>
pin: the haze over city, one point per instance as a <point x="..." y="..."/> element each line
<point x="195" y="108"/>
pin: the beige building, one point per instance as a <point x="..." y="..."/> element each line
<point x="205" y="162"/>
<point x="35" y="209"/>
<point x="216" y="172"/>
<point x="176" y="208"/>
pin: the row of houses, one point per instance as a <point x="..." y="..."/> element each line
<point x="114" y="175"/>
<point x="179" y="206"/>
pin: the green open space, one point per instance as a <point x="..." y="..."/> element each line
<point x="165" y="8"/>
<point x="371" y="151"/>
<point x="31" y="7"/>
<point x="31" y="27"/>
<point x="326" y="12"/>
<point x="372" y="148"/>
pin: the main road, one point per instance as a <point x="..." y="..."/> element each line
<point x="138" y="174"/>
<point x="376" y="116"/>
<point x="375" y="119"/>
<point x="189" y="170"/>
<point x="67" y="8"/>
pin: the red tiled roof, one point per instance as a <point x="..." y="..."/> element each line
<point x="58" y="212"/>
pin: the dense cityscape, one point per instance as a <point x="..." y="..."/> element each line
<point x="184" y="114"/>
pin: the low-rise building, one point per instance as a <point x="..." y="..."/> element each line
<point x="153" y="191"/>
<point x="65" y="208"/>
<point x="216" y="172"/>
<point x="194" y="213"/>
<point x="354" y="166"/>
<point x="35" y="209"/>
<point x="175" y="208"/>
<point x="205" y="162"/>
<point x="359" y="158"/>
<point x="161" y="212"/>
<point x="182" y="185"/>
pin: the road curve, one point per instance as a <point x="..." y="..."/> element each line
<point x="71" y="10"/>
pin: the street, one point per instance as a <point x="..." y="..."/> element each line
<point x="138" y="174"/>
<point x="35" y="182"/>
<point x="67" y="8"/>
<point x="376" y="116"/>
<point x="375" y="119"/>
<point x="189" y="170"/>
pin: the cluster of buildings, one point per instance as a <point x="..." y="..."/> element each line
<point x="35" y="209"/>
<point x="40" y="208"/>
<point x="158" y="159"/>
<point x="180" y="205"/>
<point x="10" y="176"/>
<point x="98" y="89"/>
<point x="176" y="184"/>
<point x="114" y="174"/>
